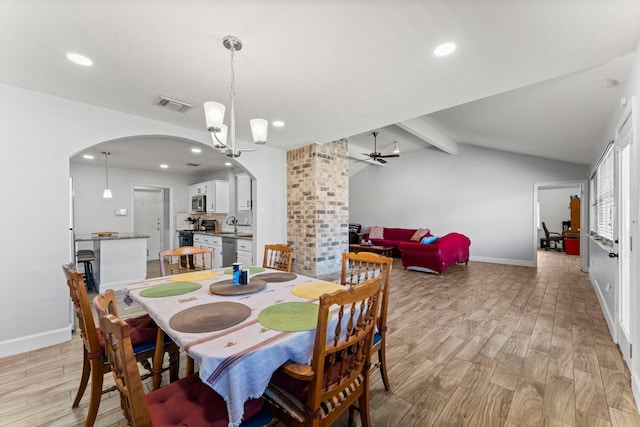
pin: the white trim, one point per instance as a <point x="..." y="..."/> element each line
<point x="35" y="341"/>
<point x="519" y="262"/>
<point x="610" y="318"/>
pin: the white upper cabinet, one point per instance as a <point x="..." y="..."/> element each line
<point x="243" y="196"/>
<point x="217" y="193"/>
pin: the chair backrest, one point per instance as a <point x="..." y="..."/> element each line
<point x="278" y="257"/>
<point x="125" y="370"/>
<point x="105" y="304"/>
<point x="546" y="232"/>
<point x="185" y="251"/>
<point x="341" y="356"/>
<point x="361" y="266"/>
<point x="81" y="305"/>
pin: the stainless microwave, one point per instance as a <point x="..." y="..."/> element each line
<point x="199" y="203"/>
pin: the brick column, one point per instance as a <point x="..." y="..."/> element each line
<point x="318" y="206"/>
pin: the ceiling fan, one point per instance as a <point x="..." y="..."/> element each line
<point x="376" y="155"/>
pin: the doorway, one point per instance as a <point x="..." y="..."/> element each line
<point x="552" y="205"/>
<point x="150" y="217"/>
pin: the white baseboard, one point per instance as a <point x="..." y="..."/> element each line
<point x="490" y="260"/>
<point x="608" y="316"/>
<point x="34" y="342"/>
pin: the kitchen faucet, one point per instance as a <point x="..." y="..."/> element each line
<point x="234" y="221"/>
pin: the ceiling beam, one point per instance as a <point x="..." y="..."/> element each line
<point x="427" y="130"/>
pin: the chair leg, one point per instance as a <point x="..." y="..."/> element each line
<point x="97" y="377"/>
<point x="86" y="371"/>
<point x="174" y="364"/>
<point x="189" y="367"/>
<point x="382" y="361"/>
<point x="363" y="407"/>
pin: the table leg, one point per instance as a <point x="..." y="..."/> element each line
<point x="158" y="359"/>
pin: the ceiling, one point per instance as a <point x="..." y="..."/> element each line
<point x="524" y="78"/>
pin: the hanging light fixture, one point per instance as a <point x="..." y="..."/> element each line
<point x="107" y="192"/>
<point x="214" y="114"/>
<point x="396" y="149"/>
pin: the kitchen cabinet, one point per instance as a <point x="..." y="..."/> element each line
<point x="244" y="251"/>
<point x="217" y="192"/>
<point x="243" y="195"/>
<point x="209" y="241"/>
<point x="198" y="189"/>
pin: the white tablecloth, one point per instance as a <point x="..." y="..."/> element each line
<point x="236" y="362"/>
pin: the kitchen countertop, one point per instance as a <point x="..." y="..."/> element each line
<point x="119" y="236"/>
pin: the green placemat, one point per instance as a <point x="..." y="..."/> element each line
<point x="170" y="289"/>
<point x="252" y="270"/>
<point x="290" y="316"/>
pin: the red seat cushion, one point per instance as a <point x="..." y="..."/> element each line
<point x="142" y="330"/>
<point x="190" y="402"/>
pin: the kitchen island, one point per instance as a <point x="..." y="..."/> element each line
<point x="121" y="258"/>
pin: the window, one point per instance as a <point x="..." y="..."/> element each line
<point x="601" y="212"/>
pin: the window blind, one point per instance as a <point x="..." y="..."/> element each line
<point x="601" y="212"/>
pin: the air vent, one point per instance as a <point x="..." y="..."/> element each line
<point x="195" y="165"/>
<point x="173" y="104"/>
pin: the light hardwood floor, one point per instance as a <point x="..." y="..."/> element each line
<point x="483" y="345"/>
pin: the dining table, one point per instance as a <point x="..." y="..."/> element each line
<point x="239" y="335"/>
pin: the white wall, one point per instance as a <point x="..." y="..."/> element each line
<point x="482" y="193"/>
<point x="93" y="213"/>
<point x="602" y="269"/>
<point x="39" y="134"/>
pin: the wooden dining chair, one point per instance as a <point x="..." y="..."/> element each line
<point x="186" y="402"/>
<point x="362" y="266"/>
<point x="317" y="394"/>
<point x="278" y="257"/>
<point x="194" y="258"/>
<point x="94" y="362"/>
<point x="106" y="304"/>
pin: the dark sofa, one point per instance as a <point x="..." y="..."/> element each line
<point x="446" y="251"/>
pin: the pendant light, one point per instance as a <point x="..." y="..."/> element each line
<point x="107" y="192"/>
<point x="214" y="114"/>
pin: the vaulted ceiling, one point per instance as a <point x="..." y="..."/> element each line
<point x="527" y="76"/>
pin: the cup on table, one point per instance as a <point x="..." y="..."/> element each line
<point x="237" y="271"/>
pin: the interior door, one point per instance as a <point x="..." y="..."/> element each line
<point x="626" y="230"/>
<point x="148" y="217"/>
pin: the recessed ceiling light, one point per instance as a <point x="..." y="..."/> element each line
<point x="277" y="123"/>
<point x="227" y="163"/>
<point x="164" y="166"/>
<point x="196" y="150"/>
<point x="79" y="59"/>
<point x="444" y="49"/>
<point x="88" y="156"/>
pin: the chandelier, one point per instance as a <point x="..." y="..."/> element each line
<point x="214" y="115"/>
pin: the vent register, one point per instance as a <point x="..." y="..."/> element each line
<point x="178" y="106"/>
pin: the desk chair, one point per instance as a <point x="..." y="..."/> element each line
<point x="362" y="266"/>
<point x="194" y="258"/>
<point x="278" y="257"/>
<point x="94" y="362"/>
<point x="317" y="394"/>
<point x="187" y="402"/>
<point x="552" y="237"/>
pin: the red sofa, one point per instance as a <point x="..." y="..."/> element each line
<point x="438" y="256"/>
<point x="393" y="237"/>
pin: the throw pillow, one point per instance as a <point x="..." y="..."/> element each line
<point x="376" y="232"/>
<point x="419" y="234"/>
<point x="428" y="240"/>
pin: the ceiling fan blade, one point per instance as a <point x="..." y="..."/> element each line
<point x="381" y="160"/>
<point x="390" y="155"/>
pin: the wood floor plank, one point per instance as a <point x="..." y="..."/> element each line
<point x="449" y="356"/>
